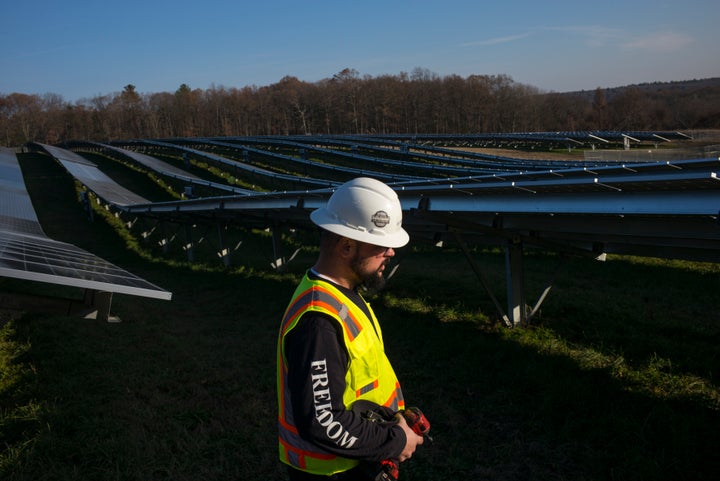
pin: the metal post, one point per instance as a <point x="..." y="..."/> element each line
<point x="189" y="245"/>
<point x="101" y="301"/>
<point x="224" y="253"/>
<point x="515" y="282"/>
<point x="478" y="272"/>
<point x="279" y="260"/>
<point x="164" y="241"/>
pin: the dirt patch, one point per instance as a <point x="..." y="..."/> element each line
<point x="700" y="139"/>
<point x="525" y="154"/>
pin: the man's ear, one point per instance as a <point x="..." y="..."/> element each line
<point x="346" y="247"/>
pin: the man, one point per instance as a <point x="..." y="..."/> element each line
<point x="331" y="355"/>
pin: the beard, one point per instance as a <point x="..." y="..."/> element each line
<point x="371" y="280"/>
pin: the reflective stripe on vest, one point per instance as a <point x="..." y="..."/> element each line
<point x="326" y="301"/>
<point x="383" y="388"/>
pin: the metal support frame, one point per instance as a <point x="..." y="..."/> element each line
<point x="479" y="273"/>
<point x="95" y="304"/>
<point x="515" y="281"/>
<point x="518" y="309"/>
<point x="100" y="302"/>
<point x="189" y="246"/>
<point x="164" y="243"/>
<point x="224" y="252"/>
<point x="280" y="262"/>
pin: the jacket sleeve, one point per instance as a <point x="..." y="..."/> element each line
<point x="317" y="363"/>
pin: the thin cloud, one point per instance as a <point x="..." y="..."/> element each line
<point x="659" y="42"/>
<point x="594" y="35"/>
<point x="496" y="40"/>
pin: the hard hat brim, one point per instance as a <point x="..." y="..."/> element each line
<point x="328" y="221"/>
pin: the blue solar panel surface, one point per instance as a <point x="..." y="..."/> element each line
<point x="27" y="253"/>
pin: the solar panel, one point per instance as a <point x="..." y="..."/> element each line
<point x="241" y="166"/>
<point x="27" y="253"/>
<point x="92" y="177"/>
<point x="152" y="163"/>
<point x="42" y="259"/>
<point x="170" y="170"/>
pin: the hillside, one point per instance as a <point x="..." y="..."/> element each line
<point x="682" y="87"/>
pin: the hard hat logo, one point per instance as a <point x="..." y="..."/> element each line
<point x="380" y="219"/>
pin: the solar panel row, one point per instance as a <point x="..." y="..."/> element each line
<point x="27" y="253"/>
<point x="662" y="209"/>
<point x="624" y="192"/>
<point x="684" y="195"/>
<point x="96" y="180"/>
<point x="159" y="166"/>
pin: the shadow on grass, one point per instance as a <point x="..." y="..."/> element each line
<point x="178" y="390"/>
<point x="517" y="410"/>
<point x="186" y="390"/>
<point x="503" y="411"/>
<point x="642" y="310"/>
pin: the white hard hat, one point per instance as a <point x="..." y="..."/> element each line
<point x="365" y="210"/>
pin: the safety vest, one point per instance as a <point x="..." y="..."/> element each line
<point x="369" y="376"/>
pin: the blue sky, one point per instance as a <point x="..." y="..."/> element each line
<point x="85" y="48"/>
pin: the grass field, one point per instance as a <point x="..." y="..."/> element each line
<point x="616" y="380"/>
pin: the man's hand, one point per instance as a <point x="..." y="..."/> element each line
<point x="413" y="440"/>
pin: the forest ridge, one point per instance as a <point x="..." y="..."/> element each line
<point x="348" y="103"/>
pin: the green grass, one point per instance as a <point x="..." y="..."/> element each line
<point x="615" y="380"/>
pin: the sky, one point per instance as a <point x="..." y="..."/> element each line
<point x="80" y="49"/>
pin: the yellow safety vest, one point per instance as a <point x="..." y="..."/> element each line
<point x="369" y="376"/>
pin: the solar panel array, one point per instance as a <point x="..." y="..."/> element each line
<point x="612" y="207"/>
<point x="162" y="168"/>
<point x="660" y="209"/>
<point x="27" y="253"/>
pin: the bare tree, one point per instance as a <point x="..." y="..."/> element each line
<point x="599" y="107"/>
<point x="419" y="101"/>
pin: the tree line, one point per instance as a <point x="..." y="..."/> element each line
<point x="348" y="103"/>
